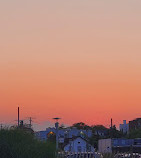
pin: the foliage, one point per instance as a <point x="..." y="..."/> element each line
<point x="134" y="134"/>
<point x="62" y="126"/>
<point x="94" y="141"/>
<point x="98" y="127"/>
<point x="81" y="125"/>
<point x="16" y="143"/>
<point x="114" y="133"/>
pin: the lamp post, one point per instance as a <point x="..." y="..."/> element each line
<point x="56" y="126"/>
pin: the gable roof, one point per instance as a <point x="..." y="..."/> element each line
<point x="67" y="140"/>
<point x="72" y="139"/>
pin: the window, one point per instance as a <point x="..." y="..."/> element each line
<point x="123" y="142"/>
<point x="89" y="148"/>
<point x="79" y="148"/>
<point x="116" y="142"/>
<point x="70" y="148"/>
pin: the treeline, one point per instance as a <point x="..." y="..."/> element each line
<point x="17" y="143"/>
<point x="109" y="132"/>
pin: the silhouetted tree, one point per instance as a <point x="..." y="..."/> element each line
<point x="98" y="127"/>
<point x="114" y="133"/>
<point x="134" y="134"/>
<point x="17" y="143"/>
<point x="81" y="125"/>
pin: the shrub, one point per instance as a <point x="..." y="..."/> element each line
<point x="16" y="143"/>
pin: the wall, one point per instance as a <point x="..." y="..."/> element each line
<point x="105" y="146"/>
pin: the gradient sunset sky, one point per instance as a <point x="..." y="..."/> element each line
<point x="76" y="59"/>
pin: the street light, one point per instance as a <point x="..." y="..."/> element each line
<point x="57" y="125"/>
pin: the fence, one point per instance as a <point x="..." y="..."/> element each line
<point x="128" y="155"/>
<point x="96" y="155"/>
<point x="78" y="155"/>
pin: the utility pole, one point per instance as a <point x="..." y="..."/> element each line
<point x="111" y="129"/>
<point x="111" y="123"/>
<point x="18" y="116"/>
<point x="30" y="121"/>
<point x="56" y="125"/>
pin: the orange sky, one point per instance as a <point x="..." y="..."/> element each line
<point x="76" y="59"/>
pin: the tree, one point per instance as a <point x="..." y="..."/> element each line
<point x="98" y="127"/>
<point x="114" y="133"/>
<point x="62" y="126"/>
<point x="81" y="125"/>
<point x="134" y="134"/>
<point x="95" y="137"/>
<point x="17" y="143"/>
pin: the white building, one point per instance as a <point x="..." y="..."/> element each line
<point x="114" y="144"/>
<point x="124" y="127"/>
<point x="78" y="144"/>
<point x="105" y="146"/>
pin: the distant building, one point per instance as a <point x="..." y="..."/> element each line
<point x="135" y="124"/>
<point x="105" y="146"/>
<point x="124" y="127"/>
<point x="63" y="133"/>
<point x="101" y="133"/>
<point x="114" y="145"/>
<point x="137" y="145"/>
<point x="119" y="145"/>
<point x="78" y="144"/>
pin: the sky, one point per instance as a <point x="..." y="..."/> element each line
<point x="75" y="59"/>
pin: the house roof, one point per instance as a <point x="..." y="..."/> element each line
<point x="67" y="140"/>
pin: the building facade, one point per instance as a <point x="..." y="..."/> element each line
<point x="105" y="146"/>
<point x="124" y="127"/>
<point x="78" y="144"/>
<point x="119" y="145"/>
